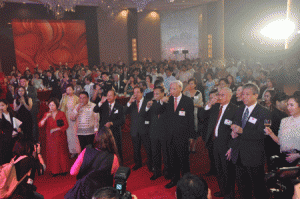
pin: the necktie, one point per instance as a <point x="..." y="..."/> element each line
<point x="109" y="110"/>
<point x="219" y="115"/>
<point x="175" y="103"/>
<point x="138" y="105"/>
<point x="245" y="117"/>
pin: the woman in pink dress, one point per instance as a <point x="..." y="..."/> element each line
<point x="56" y="124"/>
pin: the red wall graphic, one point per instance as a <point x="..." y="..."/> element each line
<point x="49" y="42"/>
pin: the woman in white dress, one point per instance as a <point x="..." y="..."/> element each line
<point x="67" y="104"/>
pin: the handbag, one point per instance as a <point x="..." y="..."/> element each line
<point x="59" y="123"/>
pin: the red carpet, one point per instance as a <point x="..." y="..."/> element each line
<point x="139" y="182"/>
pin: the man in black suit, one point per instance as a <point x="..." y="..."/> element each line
<point x="158" y="135"/>
<point x="32" y="93"/>
<point x="106" y="84"/>
<point x="118" y="85"/>
<point x="111" y="116"/>
<point x="136" y="107"/>
<point x="52" y="82"/>
<point x="247" y="147"/>
<point x="179" y="110"/>
<point x="220" y="120"/>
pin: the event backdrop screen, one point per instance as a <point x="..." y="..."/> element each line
<point x="49" y="42"/>
<point x="179" y="31"/>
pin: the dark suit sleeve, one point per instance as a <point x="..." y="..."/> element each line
<point x="120" y="117"/>
<point x="127" y="110"/>
<point x="190" y="115"/>
<point x="98" y="109"/>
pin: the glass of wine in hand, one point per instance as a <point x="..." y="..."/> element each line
<point x="267" y="123"/>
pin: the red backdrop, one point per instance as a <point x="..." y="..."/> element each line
<point x="49" y="42"/>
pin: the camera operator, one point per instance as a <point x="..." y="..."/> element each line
<point x="34" y="162"/>
<point x="288" y="134"/>
<point x="108" y="193"/>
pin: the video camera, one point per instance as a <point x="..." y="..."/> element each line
<point x="121" y="177"/>
<point x="281" y="181"/>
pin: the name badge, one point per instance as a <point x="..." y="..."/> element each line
<point x="117" y="111"/>
<point x="252" y="120"/>
<point x="196" y="97"/>
<point x="227" y="122"/>
<point x="181" y="113"/>
<point x="147" y="122"/>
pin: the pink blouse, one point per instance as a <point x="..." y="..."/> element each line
<point x="76" y="166"/>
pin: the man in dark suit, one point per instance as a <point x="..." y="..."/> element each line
<point x="180" y="125"/>
<point x="158" y="135"/>
<point x="118" y="85"/>
<point x="247" y="147"/>
<point x="106" y="84"/>
<point x="136" y="107"/>
<point x="32" y="93"/>
<point x="220" y="120"/>
<point x="52" y="82"/>
<point x="111" y="116"/>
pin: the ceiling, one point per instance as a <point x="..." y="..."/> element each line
<point x="151" y="4"/>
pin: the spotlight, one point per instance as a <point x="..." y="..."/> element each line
<point x="279" y="30"/>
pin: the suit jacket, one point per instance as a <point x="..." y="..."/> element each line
<point x="119" y="87"/>
<point x="249" y="146"/>
<point x="180" y="123"/>
<point x="224" y="130"/>
<point x="137" y="118"/>
<point x="116" y="116"/>
<point x="157" y="122"/>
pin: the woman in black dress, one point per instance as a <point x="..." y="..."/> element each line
<point x="22" y="106"/>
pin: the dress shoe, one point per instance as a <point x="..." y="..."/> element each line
<point x="171" y="184"/>
<point x="155" y="176"/>
<point x="218" y="194"/>
<point x="136" y="167"/>
<point x="168" y="176"/>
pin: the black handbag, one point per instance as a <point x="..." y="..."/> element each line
<point x="60" y="123"/>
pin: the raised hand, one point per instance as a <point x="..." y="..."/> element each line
<point x="149" y="103"/>
<point x="132" y="99"/>
<point x="103" y="99"/>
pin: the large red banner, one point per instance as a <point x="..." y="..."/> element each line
<point x="49" y="42"/>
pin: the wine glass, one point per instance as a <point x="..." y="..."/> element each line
<point x="267" y="123"/>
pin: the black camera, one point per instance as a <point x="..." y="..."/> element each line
<point x="121" y="177"/>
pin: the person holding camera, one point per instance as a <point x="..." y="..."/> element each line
<point x="95" y="167"/>
<point x="32" y="162"/>
<point x="288" y="134"/>
<point x="56" y="124"/>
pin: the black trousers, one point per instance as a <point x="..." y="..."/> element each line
<point x="85" y="140"/>
<point x="210" y="148"/>
<point x="137" y="141"/>
<point x="160" y="149"/>
<point x="118" y="139"/>
<point x="251" y="179"/>
<point x="225" y="172"/>
<point x="179" y="157"/>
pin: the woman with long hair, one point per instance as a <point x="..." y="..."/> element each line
<point x="288" y="135"/>
<point x="22" y="106"/>
<point x="95" y="167"/>
<point x="56" y="124"/>
<point x="232" y="85"/>
<point x="209" y="85"/>
<point x="8" y="123"/>
<point x="130" y="86"/>
<point x="67" y="105"/>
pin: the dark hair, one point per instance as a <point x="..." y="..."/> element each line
<point x="170" y="69"/>
<point x="18" y="96"/>
<point x="157" y="82"/>
<point x="104" y="140"/>
<point x="281" y="96"/>
<point x="213" y="91"/>
<point x="193" y="80"/>
<point x="253" y="87"/>
<point x="143" y="82"/>
<point x="107" y="193"/>
<point x="225" y="80"/>
<point x="160" y="88"/>
<point x="141" y="77"/>
<point x="296" y="97"/>
<point x="104" y="73"/>
<point x="206" y="75"/>
<point x="160" y="78"/>
<point x="23" y="147"/>
<point x="232" y="83"/>
<point x="89" y="78"/>
<point x="70" y="85"/>
<point x="9" y="109"/>
<point x="113" y="90"/>
<point x="141" y="89"/>
<point x="272" y="80"/>
<point x="84" y="93"/>
<point x="24" y="77"/>
<point x="55" y="100"/>
<point x="150" y="77"/>
<point x="272" y="99"/>
<point x="191" y="187"/>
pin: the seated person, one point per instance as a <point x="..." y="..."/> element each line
<point x="192" y="187"/>
<point x="33" y="162"/>
<point x="95" y="167"/>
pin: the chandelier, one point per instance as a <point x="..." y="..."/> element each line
<point x="59" y="7"/>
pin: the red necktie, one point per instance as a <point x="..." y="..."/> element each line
<point x="220" y="112"/>
<point x="175" y="103"/>
<point x="138" y="105"/>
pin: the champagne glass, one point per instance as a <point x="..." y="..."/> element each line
<point x="267" y="123"/>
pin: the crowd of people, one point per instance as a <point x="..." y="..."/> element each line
<point x="238" y="108"/>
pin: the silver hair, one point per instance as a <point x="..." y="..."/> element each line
<point x="227" y="89"/>
<point x="178" y="82"/>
